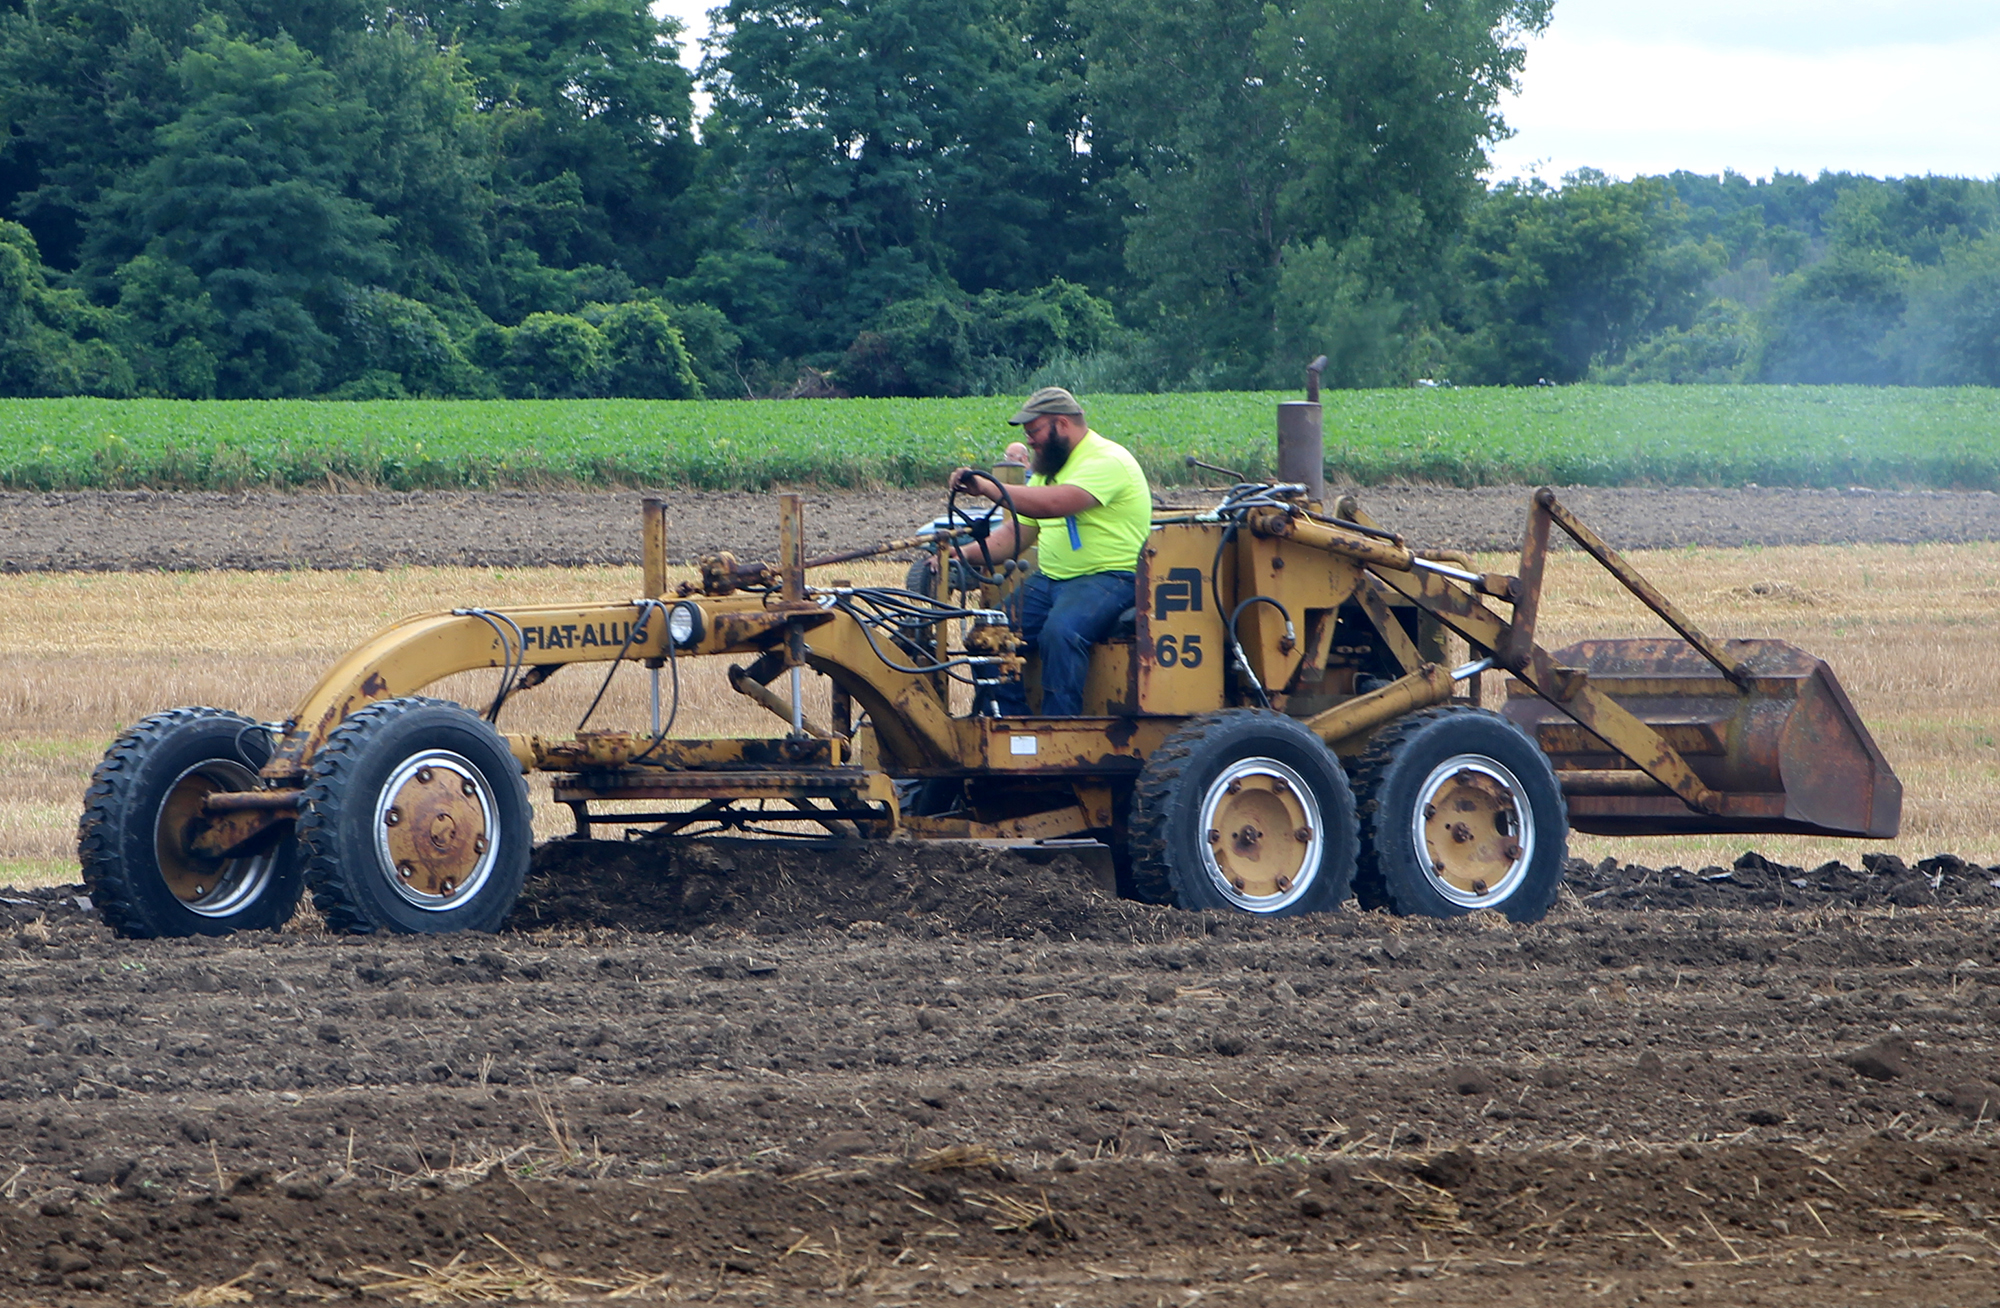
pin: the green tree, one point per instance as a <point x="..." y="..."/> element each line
<point x="646" y="356"/>
<point x="946" y="342"/>
<point x="592" y="114"/>
<point x="84" y="86"/>
<point x="1830" y="323"/>
<point x="1559" y="281"/>
<point x="880" y="146"/>
<point x="430" y="166"/>
<point x="249" y="191"/>
<point x="52" y="342"/>
<point x="1950" y="334"/>
<point x="168" y="326"/>
<point x="1256" y="129"/>
<point x="1716" y="349"/>
<point x="550" y="356"/>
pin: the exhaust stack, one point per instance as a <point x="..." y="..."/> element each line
<point x="1302" y="437"/>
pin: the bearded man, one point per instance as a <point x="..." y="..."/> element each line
<point x="1088" y="509"/>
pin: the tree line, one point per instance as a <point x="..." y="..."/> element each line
<point x="353" y="199"/>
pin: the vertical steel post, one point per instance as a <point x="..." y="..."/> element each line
<point x="653" y="563"/>
<point x="792" y="545"/>
<point x="653" y="547"/>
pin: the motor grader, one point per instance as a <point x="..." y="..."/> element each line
<point x="1276" y="725"/>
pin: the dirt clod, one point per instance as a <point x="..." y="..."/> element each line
<point x="1886" y="1060"/>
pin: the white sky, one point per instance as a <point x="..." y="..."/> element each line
<point x="1648" y="86"/>
<point x="1870" y="86"/>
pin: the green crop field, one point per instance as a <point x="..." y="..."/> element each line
<point x="1682" y="435"/>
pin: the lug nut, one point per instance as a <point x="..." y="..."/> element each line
<point x="1284" y="884"/>
<point x="1478" y="887"/>
<point x="1303" y="835"/>
<point x="1214" y="836"/>
<point x="1430" y="811"/>
<point x="1512" y="851"/>
<point x="479" y="844"/>
<point x="467" y="788"/>
<point x="1278" y="784"/>
<point x="1234" y="787"/>
<point x="405" y="871"/>
<point x="446" y="886"/>
<point x="1237" y="882"/>
<point x="424" y="775"/>
<point x="392" y="817"/>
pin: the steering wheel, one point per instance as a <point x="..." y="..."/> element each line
<point x="981" y="527"/>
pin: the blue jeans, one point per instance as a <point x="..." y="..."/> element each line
<point x="1061" y="620"/>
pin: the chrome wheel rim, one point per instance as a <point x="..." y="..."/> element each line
<point x="206" y="887"/>
<point x="1473" y="831"/>
<point x="1262" y="835"/>
<point x="436" y="826"/>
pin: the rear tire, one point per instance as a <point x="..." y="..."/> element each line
<point x="1460" y="811"/>
<point x="416" y="820"/>
<point x="140" y="812"/>
<point x="1243" y="810"/>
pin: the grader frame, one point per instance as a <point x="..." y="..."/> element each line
<point x="1324" y="624"/>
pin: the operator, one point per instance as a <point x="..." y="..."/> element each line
<point x="1088" y="507"/>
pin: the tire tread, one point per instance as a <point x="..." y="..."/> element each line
<point x="1371" y="890"/>
<point x="324" y="801"/>
<point x="113" y="884"/>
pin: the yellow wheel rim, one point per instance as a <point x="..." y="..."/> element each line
<point x="1262" y="835"/>
<point x="435" y="823"/>
<point x="1474" y="831"/>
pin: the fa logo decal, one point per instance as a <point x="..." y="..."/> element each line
<point x="1179" y="593"/>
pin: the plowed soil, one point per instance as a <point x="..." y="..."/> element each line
<point x="767" y="1072"/>
<point x="720" y="1069"/>
<point x="120" y="530"/>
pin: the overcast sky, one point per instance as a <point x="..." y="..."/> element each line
<point x="1641" y="86"/>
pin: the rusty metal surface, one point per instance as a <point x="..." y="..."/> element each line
<point x="1050" y="825"/>
<point x="653" y="546"/>
<point x="748" y="687"/>
<point x="854" y="784"/>
<point x="435" y="830"/>
<point x="238" y="832"/>
<point x="615" y="749"/>
<point x="1628" y="576"/>
<point x="1786" y="753"/>
<point x="1369" y="595"/>
<point x="1429" y="684"/>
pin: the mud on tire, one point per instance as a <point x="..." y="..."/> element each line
<point x="1460" y="811"/>
<point x="1243" y="810"/>
<point x="132" y="839"/>
<point x="415" y="819"/>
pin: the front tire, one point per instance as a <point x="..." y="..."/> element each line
<point x="1460" y="811"/>
<point x="1243" y="810"/>
<point x="416" y="820"/>
<point x="141" y="812"/>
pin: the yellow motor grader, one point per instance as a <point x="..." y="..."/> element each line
<point x="1275" y="726"/>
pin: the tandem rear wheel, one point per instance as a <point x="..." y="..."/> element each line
<point x="1460" y="811"/>
<point x="416" y="819"/>
<point x="1244" y="810"/>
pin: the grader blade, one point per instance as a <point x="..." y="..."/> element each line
<point x="1784" y="751"/>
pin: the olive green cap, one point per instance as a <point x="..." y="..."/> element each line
<point x="1048" y="401"/>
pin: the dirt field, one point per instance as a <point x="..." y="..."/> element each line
<point x="731" y="1072"/>
<point x="105" y="530"/>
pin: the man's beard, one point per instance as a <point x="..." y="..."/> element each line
<point x="1052" y="454"/>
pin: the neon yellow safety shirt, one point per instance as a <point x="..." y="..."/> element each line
<point x="1109" y="537"/>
